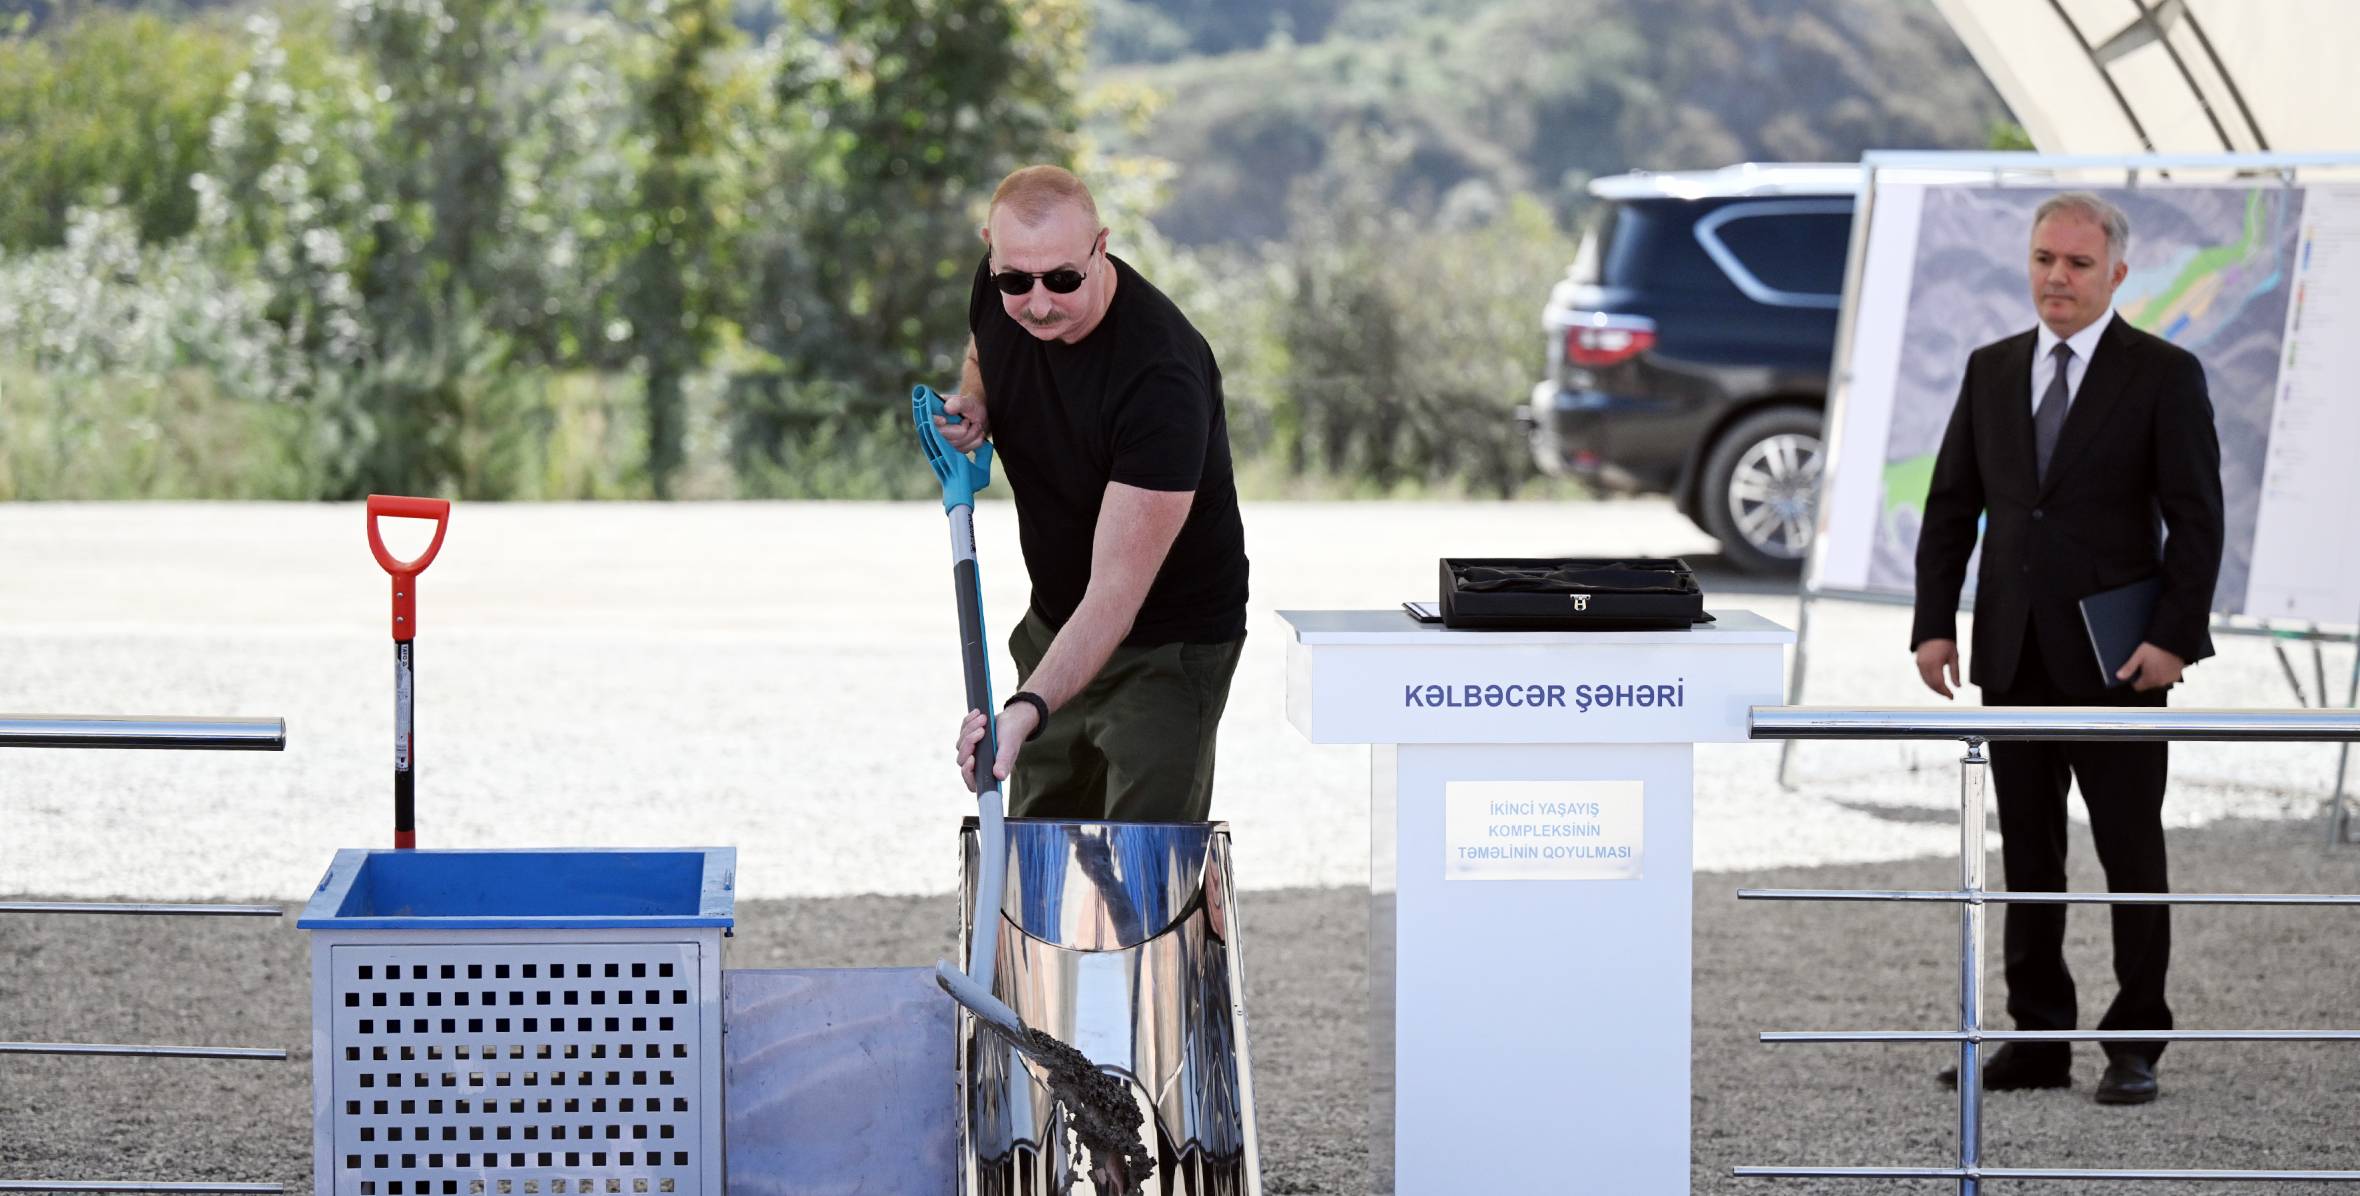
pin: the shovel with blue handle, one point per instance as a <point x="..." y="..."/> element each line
<point x="1105" y="1118"/>
<point x="960" y="476"/>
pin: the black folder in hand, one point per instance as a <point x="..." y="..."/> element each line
<point x="2116" y="620"/>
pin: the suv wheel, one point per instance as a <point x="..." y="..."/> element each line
<point x="1761" y="489"/>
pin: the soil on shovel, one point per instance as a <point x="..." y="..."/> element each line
<point x="1106" y="1120"/>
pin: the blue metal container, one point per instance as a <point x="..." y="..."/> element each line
<point x="578" y="888"/>
<point x="519" y="1023"/>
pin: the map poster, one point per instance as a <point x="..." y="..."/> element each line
<point x="2212" y="269"/>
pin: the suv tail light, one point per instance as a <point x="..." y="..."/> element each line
<point x="1594" y="340"/>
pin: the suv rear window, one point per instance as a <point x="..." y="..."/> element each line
<point x="1590" y="257"/>
<point x="1798" y="252"/>
<point x="1651" y="247"/>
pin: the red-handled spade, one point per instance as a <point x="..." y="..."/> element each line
<point x="405" y="630"/>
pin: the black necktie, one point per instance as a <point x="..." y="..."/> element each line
<point x="2048" y="419"/>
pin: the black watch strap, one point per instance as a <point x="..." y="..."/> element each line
<point x="1040" y="708"/>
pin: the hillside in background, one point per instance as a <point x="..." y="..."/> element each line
<point x="1444" y="108"/>
<point x="1447" y="106"/>
<point x="662" y="248"/>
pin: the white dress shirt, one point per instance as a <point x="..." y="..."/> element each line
<point x="2044" y="366"/>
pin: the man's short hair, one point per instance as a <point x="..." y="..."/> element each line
<point x="2093" y="207"/>
<point x="1035" y="191"/>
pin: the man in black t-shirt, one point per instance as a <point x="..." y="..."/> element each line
<point x="1104" y="406"/>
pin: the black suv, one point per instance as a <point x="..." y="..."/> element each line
<point x="1689" y="347"/>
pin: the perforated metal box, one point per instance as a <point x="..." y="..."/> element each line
<point x="519" y="1023"/>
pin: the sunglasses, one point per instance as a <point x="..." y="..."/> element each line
<point x="1059" y="282"/>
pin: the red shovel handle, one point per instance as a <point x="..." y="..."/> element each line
<point x="405" y="573"/>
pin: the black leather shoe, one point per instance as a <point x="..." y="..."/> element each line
<point x="2130" y="1080"/>
<point x="2009" y="1069"/>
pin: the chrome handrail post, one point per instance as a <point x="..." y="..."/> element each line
<point x="2339" y="815"/>
<point x="1976" y="727"/>
<point x="115" y="731"/>
<point x="1972" y="778"/>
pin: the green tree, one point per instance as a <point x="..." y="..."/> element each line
<point x="109" y="108"/>
<point x="448" y="72"/>
<point x="901" y="116"/>
<point x="1409" y="338"/>
<point x="444" y="69"/>
<point x="672" y="289"/>
<point x="284" y="191"/>
<point x="2009" y="135"/>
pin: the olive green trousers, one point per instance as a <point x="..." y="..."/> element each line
<point x="1136" y="745"/>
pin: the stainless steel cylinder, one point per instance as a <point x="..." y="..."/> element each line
<point x="1122" y="940"/>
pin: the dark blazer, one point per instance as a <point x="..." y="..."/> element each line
<point x="2137" y="457"/>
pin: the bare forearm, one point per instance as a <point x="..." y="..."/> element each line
<point x="1082" y="647"/>
<point x="1135" y="529"/>
<point x="971" y="373"/>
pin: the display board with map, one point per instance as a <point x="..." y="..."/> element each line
<point x="2261" y="282"/>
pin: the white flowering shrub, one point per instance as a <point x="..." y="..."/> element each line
<point x="104" y="304"/>
<point x="285" y="195"/>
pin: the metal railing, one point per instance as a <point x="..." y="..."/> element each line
<point x="118" y="732"/>
<point x="143" y="731"/>
<point x="1975" y="727"/>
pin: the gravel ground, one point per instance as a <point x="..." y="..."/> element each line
<point x="1758" y="966"/>
<point x="781" y="677"/>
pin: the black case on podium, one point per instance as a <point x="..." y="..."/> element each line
<point x="1570" y="593"/>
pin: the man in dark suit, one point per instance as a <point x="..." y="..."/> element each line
<point x="2088" y="446"/>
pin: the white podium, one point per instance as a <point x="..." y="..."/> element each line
<point x="1529" y="884"/>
